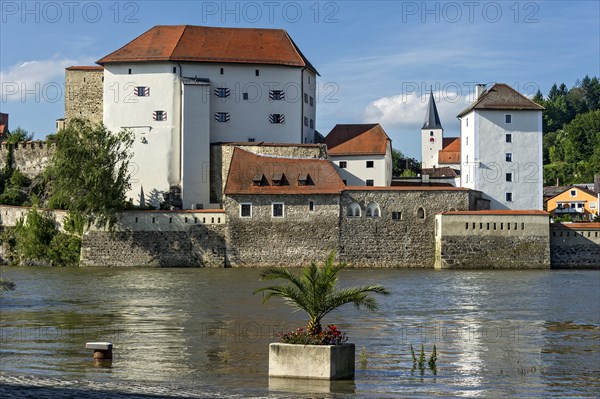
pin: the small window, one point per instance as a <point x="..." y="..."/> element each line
<point x="573" y="193"/>
<point x="370" y="164"/>
<point x="275" y="95"/>
<point x="311" y="101"/>
<point x="421" y="213"/>
<point x="277" y="209"/>
<point x="311" y="206"/>
<point x="509" y="177"/>
<point x="141" y="91"/>
<point x="246" y="210"/>
<point x="467" y="122"/>
<point x="306" y="98"/>
<point x="430" y="134"/>
<point x="396" y="215"/>
<point x="345" y="182"/>
<point x="509" y="197"/>
<point x="343" y="164"/>
<point x="593" y="205"/>
<point x="245" y="96"/>
<point x="276" y="118"/>
<point x="222" y="70"/>
<point x="353" y="210"/>
<point x="312" y="124"/>
<point x="508" y="118"/>
<point x="130" y="71"/>
<point x="467" y="140"/>
<point x="373" y="210"/>
<point x="370" y="182"/>
<point x="509" y="157"/>
<point x="222" y="92"/>
<point x="251" y="139"/>
<point x="222" y="116"/>
<point x="256" y="72"/>
<point x="306" y="121"/>
<point x="509" y="138"/>
<point x="159" y="115"/>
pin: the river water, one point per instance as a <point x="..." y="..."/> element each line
<point x="497" y="333"/>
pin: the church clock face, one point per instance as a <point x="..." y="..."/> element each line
<point x="431" y="140"/>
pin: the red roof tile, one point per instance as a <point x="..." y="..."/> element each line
<point x="85" y="68"/>
<point x="365" y="139"/>
<point x="502" y="96"/>
<point x="498" y="212"/>
<point x="188" y="43"/>
<point x="247" y="169"/>
<point x="450" y="152"/>
<point x="405" y="188"/>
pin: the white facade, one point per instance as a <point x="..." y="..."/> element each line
<point x="356" y="172"/>
<point x="431" y="144"/>
<point x="503" y="159"/>
<point x="176" y="151"/>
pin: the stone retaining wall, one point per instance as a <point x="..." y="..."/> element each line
<point x="31" y="157"/>
<point x="575" y="245"/>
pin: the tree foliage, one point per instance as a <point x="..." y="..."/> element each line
<point x="88" y="173"/>
<point x="403" y="165"/>
<point x="571" y="125"/>
<point x="315" y="291"/>
<point x="18" y="135"/>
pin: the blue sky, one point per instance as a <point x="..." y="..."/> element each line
<point x="377" y="59"/>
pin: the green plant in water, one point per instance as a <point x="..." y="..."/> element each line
<point x="6" y="285"/>
<point x="433" y="360"/>
<point x="363" y="358"/>
<point x="422" y="359"/>
<point x="414" y="358"/>
<point x="315" y="291"/>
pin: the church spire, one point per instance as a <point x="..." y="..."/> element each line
<point x="432" y="119"/>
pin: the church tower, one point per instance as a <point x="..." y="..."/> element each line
<point x="432" y="135"/>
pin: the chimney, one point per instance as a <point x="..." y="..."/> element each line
<point x="479" y="90"/>
<point x="597" y="184"/>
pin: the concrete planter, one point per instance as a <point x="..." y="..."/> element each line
<point x="325" y="362"/>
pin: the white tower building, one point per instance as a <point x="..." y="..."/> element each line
<point x="432" y="134"/>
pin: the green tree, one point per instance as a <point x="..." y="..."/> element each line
<point x="315" y="291"/>
<point x="18" y="135"/>
<point x="88" y="173"/>
<point x="402" y="163"/>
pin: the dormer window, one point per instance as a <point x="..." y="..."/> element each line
<point x="279" y="179"/>
<point x="222" y="92"/>
<point x="305" y="180"/>
<point x="260" y="180"/>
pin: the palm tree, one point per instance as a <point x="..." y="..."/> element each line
<point x="315" y="291"/>
<point x="6" y="285"/>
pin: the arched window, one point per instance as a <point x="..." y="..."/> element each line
<point x="421" y="213"/>
<point x="353" y="210"/>
<point x="373" y="210"/>
<point x="431" y="134"/>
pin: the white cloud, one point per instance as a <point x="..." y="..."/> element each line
<point x="27" y="80"/>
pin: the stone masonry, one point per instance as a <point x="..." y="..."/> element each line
<point x="31" y="158"/>
<point x="83" y="93"/>
<point x="575" y="245"/>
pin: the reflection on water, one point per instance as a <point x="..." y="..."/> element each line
<point x="521" y="333"/>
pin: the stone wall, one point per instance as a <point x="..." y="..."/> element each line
<point x="31" y="158"/>
<point x="84" y="93"/>
<point x="481" y="240"/>
<point x="9" y="215"/>
<point x="221" y="154"/>
<point x="575" y="245"/>
<point x="298" y="238"/>
<point x="406" y="242"/>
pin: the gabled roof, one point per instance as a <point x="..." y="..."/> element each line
<point x="501" y="96"/>
<point x="189" y="43"/>
<point x="582" y="189"/>
<point x="362" y="139"/>
<point x="432" y="119"/>
<point x="450" y="152"/>
<point x="440" y="172"/>
<point x="254" y="174"/>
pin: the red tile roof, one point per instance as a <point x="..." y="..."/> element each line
<point x="444" y="171"/>
<point x="255" y="174"/>
<point x="405" y="188"/>
<point x="450" y="152"/>
<point x="85" y="68"/>
<point x="502" y="96"/>
<point x="498" y="212"/>
<point x="188" y="43"/>
<point x="364" y="139"/>
<point x="592" y="225"/>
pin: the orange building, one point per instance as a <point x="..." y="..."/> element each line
<point x="578" y="202"/>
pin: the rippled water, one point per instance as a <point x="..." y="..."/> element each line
<point x="514" y="333"/>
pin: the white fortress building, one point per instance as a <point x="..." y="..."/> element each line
<point x="181" y="88"/>
<point x="501" y="148"/>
